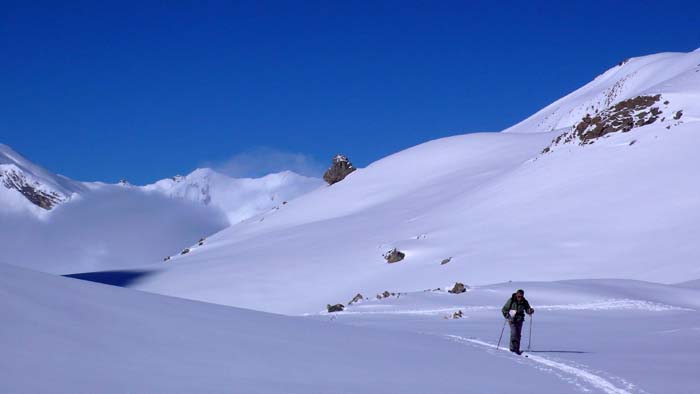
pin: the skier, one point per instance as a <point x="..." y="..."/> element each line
<point x="514" y="311"/>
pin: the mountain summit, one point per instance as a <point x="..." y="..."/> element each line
<point x="672" y="76"/>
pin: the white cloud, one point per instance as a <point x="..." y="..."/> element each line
<point x="108" y="229"/>
<point x="264" y="160"/>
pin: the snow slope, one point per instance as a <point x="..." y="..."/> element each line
<point x="673" y="74"/>
<point x="66" y="335"/>
<point x="625" y="206"/>
<point x="608" y="336"/>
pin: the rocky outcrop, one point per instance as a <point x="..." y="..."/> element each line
<point x="32" y="191"/>
<point x="185" y="251"/>
<point x="620" y="118"/>
<point x="445" y="261"/>
<point x="385" y="294"/>
<point x="458" y="288"/>
<point x="335" y="308"/>
<point x="355" y="299"/>
<point x="456" y="315"/>
<point x="394" y="256"/>
<point x="340" y="168"/>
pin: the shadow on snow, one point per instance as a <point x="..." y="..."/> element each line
<point x="114" y="278"/>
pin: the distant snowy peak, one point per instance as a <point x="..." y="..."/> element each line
<point x="239" y="198"/>
<point x="675" y="76"/>
<point x="25" y="186"/>
<point x="28" y="186"/>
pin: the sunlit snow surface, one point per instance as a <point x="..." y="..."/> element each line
<point x="63" y="335"/>
<point x="602" y="336"/>
<point x="68" y="336"/>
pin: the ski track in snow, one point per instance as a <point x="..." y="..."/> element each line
<point x="578" y="373"/>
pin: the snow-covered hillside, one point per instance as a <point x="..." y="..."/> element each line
<point x="66" y="335"/>
<point x="55" y="224"/>
<point x="600" y="336"/>
<point x="483" y="208"/>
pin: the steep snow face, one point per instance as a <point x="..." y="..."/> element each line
<point x="27" y="186"/>
<point x="675" y="75"/>
<point x="65" y="335"/>
<point x="239" y="198"/>
<point x="491" y="205"/>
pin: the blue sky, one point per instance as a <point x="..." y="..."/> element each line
<point x="142" y="91"/>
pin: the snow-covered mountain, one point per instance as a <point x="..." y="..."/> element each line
<point x="602" y="183"/>
<point x="52" y="223"/>
<point x="25" y="186"/>
<point x="240" y="198"/>
<point x="673" y="75"/>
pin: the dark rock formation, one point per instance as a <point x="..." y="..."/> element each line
<point x="386" y="294"/>
<point x="445" y="261"/>
<point x="621" y="117"/>
<point x="458" y="288"/>
<point x="167" y="258"/>
<point x="185" y="251"/>
<point x="335" y="308"/>
<point x="394" y="256"/>
<point x="355" y="299"/>
<point x="340" y="168"/>
<point x="13" y="179"/>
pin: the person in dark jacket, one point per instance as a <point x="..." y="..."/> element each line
<point x="514" y="310"/>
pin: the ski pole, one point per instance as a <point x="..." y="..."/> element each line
<point x="499" y="338"/>
<point x="529" y="340"/>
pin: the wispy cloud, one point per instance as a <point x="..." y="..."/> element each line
<point x="264" y="160"/>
